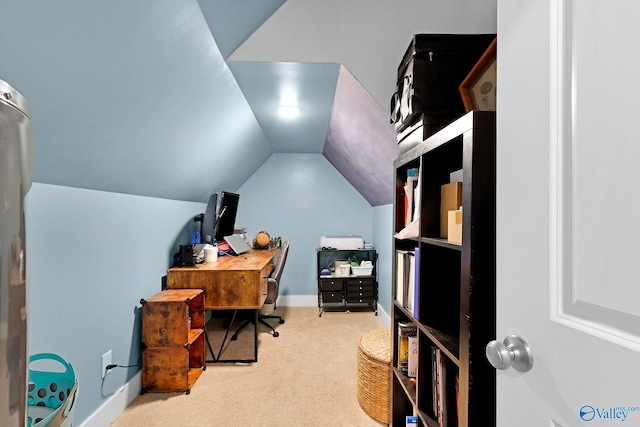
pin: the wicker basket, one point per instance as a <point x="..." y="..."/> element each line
<point x="374" y="374"/>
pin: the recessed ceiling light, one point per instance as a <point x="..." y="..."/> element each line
<point x="289" y="111"/>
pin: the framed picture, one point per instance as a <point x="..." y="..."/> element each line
<point x="478" y="89"/>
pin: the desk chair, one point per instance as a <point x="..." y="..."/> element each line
<point x="273" y="283"/>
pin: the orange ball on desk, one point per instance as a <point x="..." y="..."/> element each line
<point x="263" y="239"/>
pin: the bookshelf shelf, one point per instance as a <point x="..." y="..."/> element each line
<point x="441" y="242"/>
<point x="440" y="286"/>
<point x="408" y="388"/>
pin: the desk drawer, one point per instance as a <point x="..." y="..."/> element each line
<point x="331" y="284"/>
<point x="332" y="297"/>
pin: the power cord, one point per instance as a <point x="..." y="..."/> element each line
<point x="109" y="367"/>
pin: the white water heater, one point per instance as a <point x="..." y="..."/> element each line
<point x="16" y="165"/>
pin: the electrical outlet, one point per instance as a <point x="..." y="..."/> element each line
<point x="106" y="360"/>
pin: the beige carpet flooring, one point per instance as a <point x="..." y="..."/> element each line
<point x="305" y="377"/>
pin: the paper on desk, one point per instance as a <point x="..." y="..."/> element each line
<point x="411" y="230"/>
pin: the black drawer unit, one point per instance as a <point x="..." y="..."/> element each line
<point x="342" y="292"/>
<point x="331" y="284"/>
<point x="331" y="297"/>
<point x="431" y="70"/>
<point x="360" y="291"/>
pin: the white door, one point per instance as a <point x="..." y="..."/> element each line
<point x="568" y="210"/>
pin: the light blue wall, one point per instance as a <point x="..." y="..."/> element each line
<point x="301" y="197"/>
<point x="91" y="257"/>
<point x="382" y="234"/>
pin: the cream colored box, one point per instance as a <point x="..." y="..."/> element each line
<point x="450" y="199"/>
<point x="455" y="226"/>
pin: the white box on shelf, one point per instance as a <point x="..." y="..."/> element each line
<point x="364" y="269"/>
<point x="361" y="271"/>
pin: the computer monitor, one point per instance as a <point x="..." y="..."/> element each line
<point x="209" y="221"/>
<point x="226" y="216"/>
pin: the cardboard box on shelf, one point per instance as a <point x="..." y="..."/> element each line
<point x="450" y="200"/>
<point x="455" y="226"/>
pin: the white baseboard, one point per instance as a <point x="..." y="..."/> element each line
<point x="297" y="300"/>
<point x="384" y="317"/>
<point x="312" y="300"/>
<point x="116" y="404"/>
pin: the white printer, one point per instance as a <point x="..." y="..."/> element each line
<point x="342" y="242"/>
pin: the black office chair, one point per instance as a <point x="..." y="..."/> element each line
<point x="273" y="282"/>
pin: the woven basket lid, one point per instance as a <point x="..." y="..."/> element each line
<point x="377" y="344"/>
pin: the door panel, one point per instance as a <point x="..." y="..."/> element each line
<point x="592" y="266"/>
<point x="567" y="269"/>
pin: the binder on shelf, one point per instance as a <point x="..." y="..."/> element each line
<point x="416" y="284"/>
<point x="405" y="279"/>
<point x="400" y="276"/>
<point x="409" y="303"/>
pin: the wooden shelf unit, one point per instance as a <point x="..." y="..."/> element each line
<point x="455" y="282"/>
<point x="173" y="340"/>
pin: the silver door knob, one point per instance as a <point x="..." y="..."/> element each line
<point x="513" y="352"/>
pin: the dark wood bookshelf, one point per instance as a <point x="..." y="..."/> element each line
<point x="455" y="284"/>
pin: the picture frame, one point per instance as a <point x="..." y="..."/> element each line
<point x="478" y="89"/>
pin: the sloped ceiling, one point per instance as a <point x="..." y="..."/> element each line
<point x="138" y="98"/>
<point x="368" y="37"/>
<point x="310" y="86"/>
<point x="232" y="22"/>
<point x="361" y="143"/>
<point x="130" y="97"/>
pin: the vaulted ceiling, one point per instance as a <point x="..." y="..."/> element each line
<point x="177" y="98"/>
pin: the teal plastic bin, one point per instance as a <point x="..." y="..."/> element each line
<point x="51" y="394"/>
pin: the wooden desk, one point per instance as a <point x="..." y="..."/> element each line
<point x="232" y="283"/>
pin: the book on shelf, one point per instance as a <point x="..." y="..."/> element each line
<point x="458" y="398"/>
<point x="434" y="380"/>
<point x="445" y="390"/>
<point x="442" y="388"/>
<point x="405" y="330"/>
<point x="411" y="421"/>
<point x="411" y="188"/>
<point x="412" y="368"/>
<point x="413" y="177"/>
